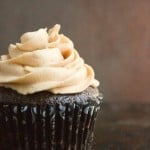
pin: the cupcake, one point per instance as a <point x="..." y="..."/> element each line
<point x="49" y="97"/>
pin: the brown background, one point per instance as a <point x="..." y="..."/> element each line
<point x="112" y="35"/>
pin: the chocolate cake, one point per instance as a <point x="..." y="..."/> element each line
<point x="45" y="121"/>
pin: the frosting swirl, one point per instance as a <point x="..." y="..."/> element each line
<point x="45" y="61"/>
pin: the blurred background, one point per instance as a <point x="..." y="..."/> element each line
<point x="112" y="35"/>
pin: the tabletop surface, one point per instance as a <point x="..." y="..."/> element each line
<point x="123" y="126"/>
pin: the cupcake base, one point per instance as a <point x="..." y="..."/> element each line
<point x="47" y="127"/>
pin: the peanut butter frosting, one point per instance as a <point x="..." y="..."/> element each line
<point x="45" y="61"/>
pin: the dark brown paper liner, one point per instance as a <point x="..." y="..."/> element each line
<point x="47" y="127"/>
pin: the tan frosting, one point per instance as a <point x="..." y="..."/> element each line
<point x="45" y="61"/>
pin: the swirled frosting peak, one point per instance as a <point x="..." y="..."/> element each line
<point x="45" y="61"/>
<point x="31" y="41"/>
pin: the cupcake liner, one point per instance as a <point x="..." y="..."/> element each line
<point x="47" y="127"/>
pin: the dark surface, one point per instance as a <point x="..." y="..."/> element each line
<point x="123" y="126"/>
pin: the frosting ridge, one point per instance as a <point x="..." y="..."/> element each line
<point x="45" y="61"/>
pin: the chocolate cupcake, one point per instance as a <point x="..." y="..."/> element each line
<point x="48" y="96"/>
